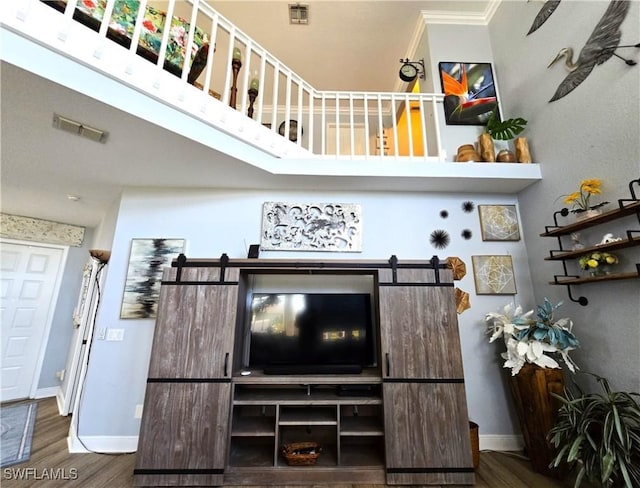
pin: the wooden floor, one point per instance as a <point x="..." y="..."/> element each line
<point x="50" y="458"/>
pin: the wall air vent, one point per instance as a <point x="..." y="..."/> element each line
<point x="298" y="14"/>
<point x="80" y="129"/>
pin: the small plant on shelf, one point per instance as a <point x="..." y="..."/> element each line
<point x="504" y="130"/>
<point x="581" y="199"/>
<point x="597" y="263"/>
<point x="532" y="339"/>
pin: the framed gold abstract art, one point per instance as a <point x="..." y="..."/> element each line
<point x="499" y="222"/>
<point x="493" y="275"/>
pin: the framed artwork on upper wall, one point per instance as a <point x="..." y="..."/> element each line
<point x="469" y="92"/>
<point x="147" y="260"/>
<point x="499" y="222"/>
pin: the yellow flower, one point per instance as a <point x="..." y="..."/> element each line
<point x="592" y="263"/>
<point x="592" y="182"/>
<point x="573" y="197"/>
<point x="591" y="190"/>
<point x="610" y="259"/>
<point x="581" y="199"/>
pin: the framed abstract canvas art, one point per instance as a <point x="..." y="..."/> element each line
<point x="493" y="275"/>
<point x="147" y="260"/>
<point x="499" y="222"/>
<point x="469" y="92"/>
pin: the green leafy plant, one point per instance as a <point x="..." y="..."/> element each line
<point x="506" y="129"/>
<point x="599" y="435"/>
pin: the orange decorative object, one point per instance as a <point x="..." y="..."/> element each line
<point x="462" y="300"/>
<point x="457" y="266"/>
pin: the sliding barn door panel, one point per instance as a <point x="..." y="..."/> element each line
<point x="183" y="434"/>
<point x="427" y="434"/>
<point x="419" y="336"/>
<point x="185" y="423"/>
<point x="195" y="327"/>
<point x="427" y="437"/>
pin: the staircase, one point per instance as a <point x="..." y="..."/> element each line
<point x="239" y="91"/>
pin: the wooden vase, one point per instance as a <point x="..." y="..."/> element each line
<point x="537" y="412"/>
<point x="523" y="155"/>
<point x="486" y="148"/>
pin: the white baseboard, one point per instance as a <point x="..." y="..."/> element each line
<point x="60" y="402"/>
<point x="501" y="442"/>
<point x="101" y="443"/>
<point x="52" y="391"/>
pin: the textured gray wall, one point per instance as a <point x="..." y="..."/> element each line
<point x="593" y="132"/>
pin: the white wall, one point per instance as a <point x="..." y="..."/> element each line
<point x="463" y="43"/>
<point x="593" y="132"/>
<point x="62" y="323"/>
<point x="216" y="222"/>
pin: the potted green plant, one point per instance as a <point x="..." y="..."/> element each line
<point x="503" y="130"/>
<point x="533" y="343"/>
<point x="599" y="436"/>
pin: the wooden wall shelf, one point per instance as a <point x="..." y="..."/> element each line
<point x="562" y="280"/>
<point x="623" y="210"/>
<point x="626" y="207"/>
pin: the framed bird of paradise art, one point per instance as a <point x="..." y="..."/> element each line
<point x="469" y="92"/>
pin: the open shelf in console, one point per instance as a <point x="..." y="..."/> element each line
<point x="360" y="421"/>
<point x="307" y="415"/>
<point x="345" y="419"/>
<point x="253" y="421"/>
<point x="256" y="452"/>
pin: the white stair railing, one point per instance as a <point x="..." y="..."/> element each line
<point x="240" y="74"/>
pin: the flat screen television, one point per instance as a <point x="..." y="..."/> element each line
<point x="311" y="333"/>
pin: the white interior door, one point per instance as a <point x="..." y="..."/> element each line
<point x="29" y="287"/>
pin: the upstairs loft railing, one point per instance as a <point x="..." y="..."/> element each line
<point x="238" y="75"/>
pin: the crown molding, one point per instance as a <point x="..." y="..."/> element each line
<point x="444" y="17"/>
<point x="418" y="31"/>
<point x="461" y="18"/>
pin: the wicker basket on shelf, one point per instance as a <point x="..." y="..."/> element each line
<point x="301" y="453"/>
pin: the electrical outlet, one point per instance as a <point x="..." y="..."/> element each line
<point x="101" y="334"/>
<point x="60" y="374"/>
<point x="115" y="334"/>
<point x="138" y="412"/>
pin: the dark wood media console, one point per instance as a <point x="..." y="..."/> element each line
<point x="208" y="421"/>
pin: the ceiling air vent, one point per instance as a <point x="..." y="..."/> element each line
<point x="298" y="14"/>
<point x="80" y="129"/>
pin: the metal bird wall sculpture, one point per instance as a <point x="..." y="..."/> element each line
<point x="600" y="46"/>
<point x="545" y="12"/>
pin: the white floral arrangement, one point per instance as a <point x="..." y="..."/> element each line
<point x="532" y="339"/>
